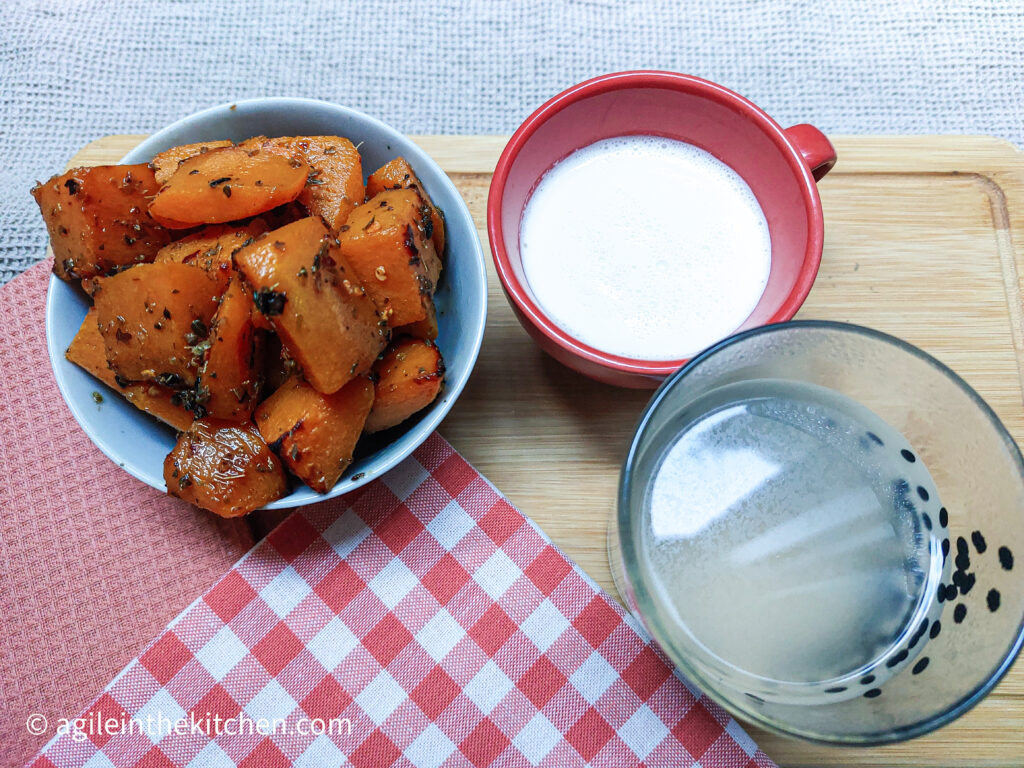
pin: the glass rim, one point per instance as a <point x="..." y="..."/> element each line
<point x="632" y="571"/>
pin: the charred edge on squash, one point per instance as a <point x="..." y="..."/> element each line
<point x="276" y="445"/>
<point x="410" y="245"/>
<point x="268" y="301"/>
<point x="426" y="222"/>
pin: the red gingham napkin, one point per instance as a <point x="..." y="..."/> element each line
<point x="431" y="615"/>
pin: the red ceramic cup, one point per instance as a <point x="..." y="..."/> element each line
<point x="780" y="165"/>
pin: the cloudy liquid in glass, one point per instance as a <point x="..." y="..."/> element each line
<point x="645" y="247"/>
<point x="784" y="529"/>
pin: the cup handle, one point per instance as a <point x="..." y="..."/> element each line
<point x="815" y="148"/>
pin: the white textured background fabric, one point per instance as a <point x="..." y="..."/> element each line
<point x="74" y="70"/>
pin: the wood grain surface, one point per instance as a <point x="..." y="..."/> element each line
<point x="924" y="240"/>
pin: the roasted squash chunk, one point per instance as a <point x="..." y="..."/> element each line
<point x="387" y="245"/>
<point x="228" y="375"/>
<point x="87" y="352"/>
<point x="335" y="183"/>
<point x="409" y="377"/>
<point x="97" y="219"/>
<point x="227" y="185"/>
<point x="224" y="467"/>
<point x="167" y="162"/>
<point x="152" y="317"/>
<point x="315" y="434"/>
<point x="398" y="174"/>
<point x="211" y="247"/>
<point x="315" y="303"/>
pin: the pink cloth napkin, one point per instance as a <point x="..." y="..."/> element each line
<point x="94" y="563"/>
<point x="419" y="621"/>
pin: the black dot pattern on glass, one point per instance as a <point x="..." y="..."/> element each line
<point x="908" y="456"/>
<point x="940" y="594"/>
<point x="837" y="689"/>
<point x="950" y="592"/>
<point x="920" y="666"/>
<point x="992" y="598"/>
<point x="897" y="659"/>
<point x="922" y="492"/>
<point x="872" y="693"/>
<point x="936" y="628"/>
<point x="979" y="542"/>
<point x="943" y="517"/>
<point x="1006" y="558"/>
<point x="959" y="613"/>
<point x="867" y="680"/>
<point x="926" y="520"/>
<point x="753" y="697"/>
<point x="963" y="556"/>
<point x="918" y="634"/>
<point x="964" y="581"/>
<point x="945" y="549"/>
<point x="875" y="438"/>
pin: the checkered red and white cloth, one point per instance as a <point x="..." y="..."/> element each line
<point x="430" y="615"/>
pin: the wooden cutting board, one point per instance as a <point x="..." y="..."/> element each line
<point x="924" y="240"/>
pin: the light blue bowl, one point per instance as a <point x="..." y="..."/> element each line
<point x="138" y="443"/>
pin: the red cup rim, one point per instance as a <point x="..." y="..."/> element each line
<point x="645" y="79"/>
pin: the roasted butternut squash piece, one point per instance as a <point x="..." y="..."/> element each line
<point x="87" y="352"/>
<point x="398" y="174"/>
<point x="315" y="434"/>
<point x="315" y="303"/>
<point x="211" y="247"/>
<point x="97" y="219"/>
<point x="409" y="376"/>
<point x="224" y="467"/>
<point x="152" y="317"/>
<point x="166" y="163"/>
<point x="227" y="185"/>
<point x="335" y="183"/>
<point x="387" y="245"/>
<point x="228" y="375"/>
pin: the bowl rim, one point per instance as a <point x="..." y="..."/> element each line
<point x="530" y="311"/>
<point x="404" y="445"/>
<point x="902" y="733"/>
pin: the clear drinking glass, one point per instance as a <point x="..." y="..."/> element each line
<point x="950" y="628"/>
